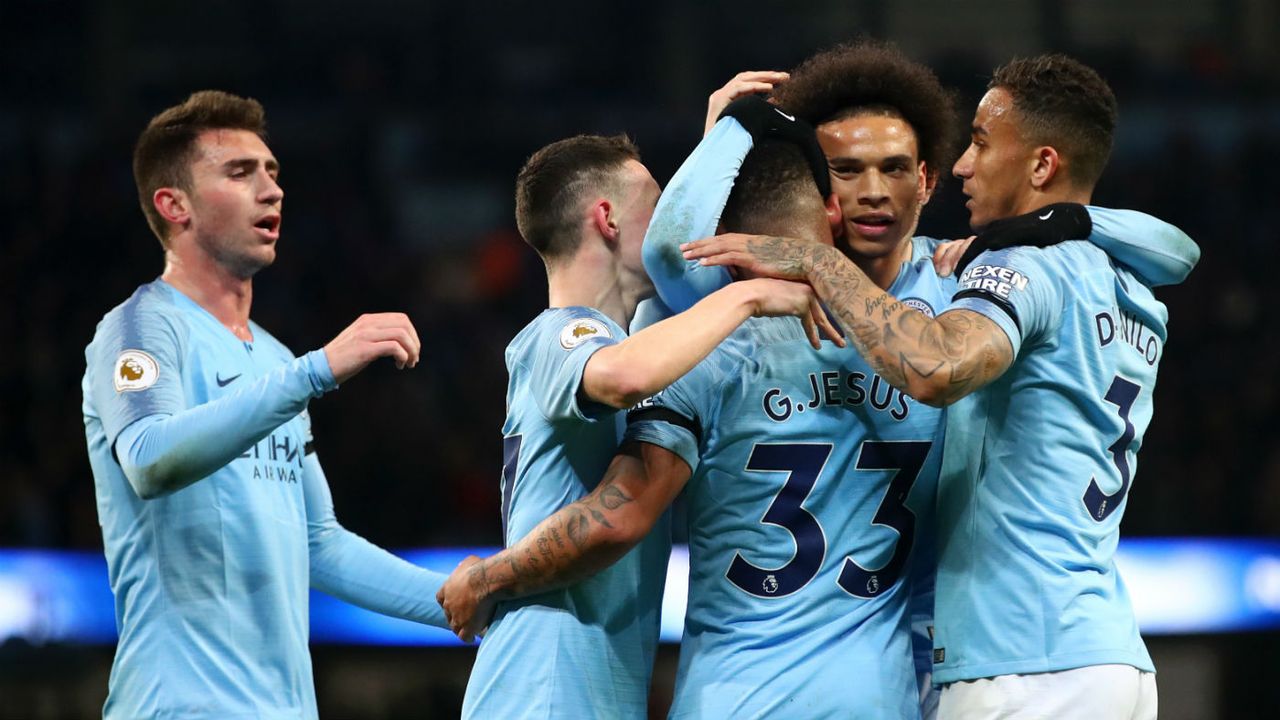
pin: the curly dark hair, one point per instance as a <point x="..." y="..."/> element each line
<point x="1066" y="104"/>
<point x="870" y="76"/>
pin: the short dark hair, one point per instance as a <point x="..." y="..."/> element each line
<point x="551" y="185"/>
<point x="773" y="185"/>
<point x="1064" y="103"/>
<point x="166" y="148"/>
<point x="870" y="76"/>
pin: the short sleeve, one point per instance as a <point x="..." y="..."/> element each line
<point x="1012" y="288"/>
<point x="673" y="419"/>
<point x="560" y="354"/>
<point x="135" y="366"/>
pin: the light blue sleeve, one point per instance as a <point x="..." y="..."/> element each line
<point x="689" y="209"/>
<point x="1159" y="253"/>
<point x="353" y="569"/>
<point x="558" y="362"/>
<point x="163" y="453"/>
<point x="152" y="345"/>
<point x="673" y="419"/>
<point x="1012" y="288"/>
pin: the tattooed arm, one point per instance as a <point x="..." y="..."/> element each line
<point x="936" y="361"/>
<point x="578" y="541"/>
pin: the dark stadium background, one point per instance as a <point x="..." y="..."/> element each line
<point x="400" y="127"/>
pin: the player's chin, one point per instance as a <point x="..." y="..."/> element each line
<point x="878" y="246"/>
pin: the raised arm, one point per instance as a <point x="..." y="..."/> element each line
<point x="936" y="361"/>
<point x="165" y="451"/>
<point x="576" y="542"/>
<point x="690" y="208"/>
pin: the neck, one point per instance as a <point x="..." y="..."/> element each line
<point x="1048" y="196"/>
<point x="883" y="269"/>
<point x="595" y="281"/>
<point x="212" y="287"/>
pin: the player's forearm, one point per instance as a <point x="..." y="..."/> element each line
<point x="626" y="373"/>
<point x="163" y="454"/>
<point x="576" y="542"/>
<point x="936" y="361"/>
<point x="690" y="208"/>
<point x="1159" y="252"/>
<point x="353" y="569"/>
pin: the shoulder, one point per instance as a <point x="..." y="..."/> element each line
<point x="922" y="246"/>
<point x="150" y="308"/>
<point x="566" y="328"/>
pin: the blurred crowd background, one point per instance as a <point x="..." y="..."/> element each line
<point x="400" y="128"/>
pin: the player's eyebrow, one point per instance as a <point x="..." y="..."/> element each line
<point x="251" y="164"/>
<point x="898" y="159"/>
<point x="978" y="130"/>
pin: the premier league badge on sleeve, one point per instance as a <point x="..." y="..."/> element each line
<point x="581" y="330"/>
<point x="135" y="370"/>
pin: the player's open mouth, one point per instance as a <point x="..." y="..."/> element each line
<point x="872" y="225"/>
<point x="269" y="226"/>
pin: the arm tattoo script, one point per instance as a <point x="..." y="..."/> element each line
<point x="938" y="361"/>
<point x="543" y="560"/>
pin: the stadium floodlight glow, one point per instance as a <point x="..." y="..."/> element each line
<point x="1178" y="586"/>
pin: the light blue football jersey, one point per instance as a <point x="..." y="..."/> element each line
<point x="587" y="650"/>
<point x="811" y="496"/>
<point x="1039" y="464"/>
<point x="211" y="581"/>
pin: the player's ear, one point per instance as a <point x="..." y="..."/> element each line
<point x="602" y="217"/>
<point x="1045" y="165"/>
<point x="835" y="217"/>
<point x="926" y="183"/>
<point x="173" y="205"/>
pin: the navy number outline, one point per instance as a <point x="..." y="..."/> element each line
<point x="906" y="459"/>
<point x="510" y="462"/>
<point x="1122" y="393"/>
<point x="804" y="464"/>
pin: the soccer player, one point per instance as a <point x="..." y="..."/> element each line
<point x="885" y="125"/>
<point x="215" y="512"/>
<point x="797" y="600"/>
<point x="584" y="204"/>
<point x="1058" y="349"/>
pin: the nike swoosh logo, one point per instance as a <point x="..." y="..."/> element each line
<point x="1047" y="215"/>
<point x="228" y="381"/>
<point x="789" y="117"/>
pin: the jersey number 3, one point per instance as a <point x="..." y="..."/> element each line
<point x="803" y="465"/>
<point x="1122" y="394"/>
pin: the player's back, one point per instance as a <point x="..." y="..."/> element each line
<point x="802" y="509"/>
<point x="210" y="581"/>
<point x="587" y="650"/>
<point x="1038" y="467"/>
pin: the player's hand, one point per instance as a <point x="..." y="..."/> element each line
<point x="370" y="337"/>
<point x="464" y="597"/>
<point x="778" y="298"/>
<point x="761" y="255"/>
<point x="948" y="254"/>
<point x="744" y="83"/>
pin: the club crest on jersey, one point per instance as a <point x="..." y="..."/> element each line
<point x="135" y="370"/>
<point x="918" y="304"/>
<point x="581" y="330"/>
<point x="997" y="280"/>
